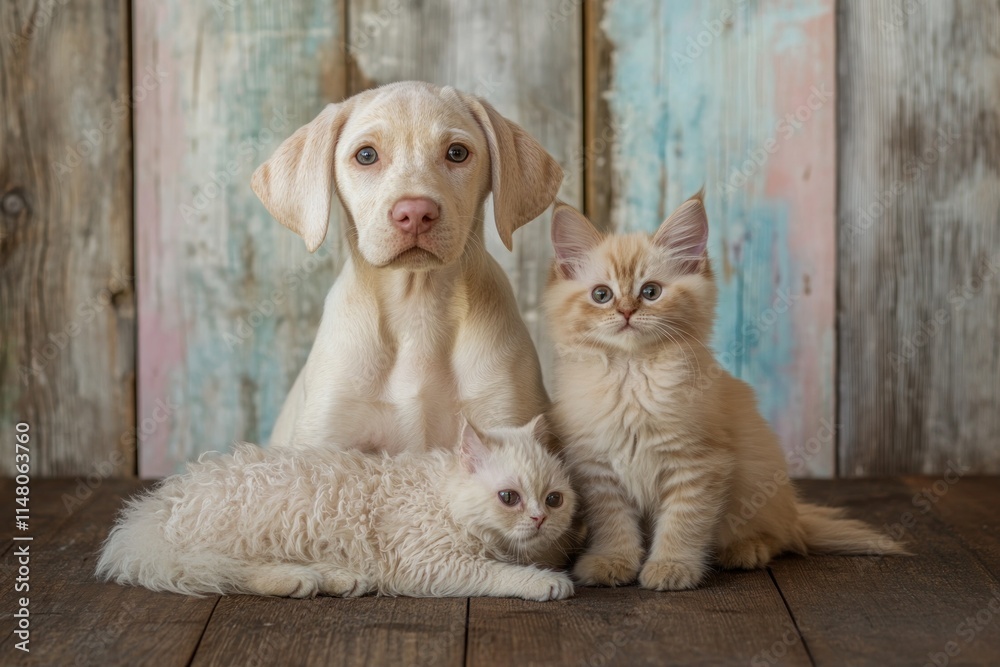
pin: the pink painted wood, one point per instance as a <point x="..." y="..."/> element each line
<point x="739" y="97"/>
<point x="228" y="299"/>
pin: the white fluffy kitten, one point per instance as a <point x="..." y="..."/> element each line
<point x="300" y="523"/>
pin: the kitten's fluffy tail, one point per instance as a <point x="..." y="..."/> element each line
<point x="138" y="553"/>
<point x="826" y="531"/>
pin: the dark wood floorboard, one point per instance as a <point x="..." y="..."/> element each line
<point x="893" y="610"/>
<point x="819" y="610"/>
<point x="76" y="620"/>
<point x="247" y="630"/>
<point x="52" y="503"/>
<point x="971" y="508"/>
<point x="729" y="621"/>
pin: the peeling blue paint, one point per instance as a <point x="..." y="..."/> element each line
<point x="692" y="110"/>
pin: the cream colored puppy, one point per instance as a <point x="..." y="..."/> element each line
<point x="421" y="325"/>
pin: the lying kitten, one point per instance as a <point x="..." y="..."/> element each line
<point x="659" y="434"/>
<point x="344" y="523"/>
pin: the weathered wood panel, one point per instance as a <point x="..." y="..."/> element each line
<point x="969" y="506"/>
<point x="229" y="299"/>
<point x="526" y="58"/>
<point x="331" y="632"/>
<point x="739" y="97"/>
<point x="733" y="619"/>
<point x="67" y="321"/>
<point x="938" y="606"/>
<point x="594" y="156"/>
<point x="76" y="620"/>
<point x="919" y="229"/>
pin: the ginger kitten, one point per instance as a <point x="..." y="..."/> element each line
<point x="467" y="522"/>
<point x="665" y="443"/>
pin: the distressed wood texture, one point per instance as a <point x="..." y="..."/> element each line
<point x="594" y="156"/>
<point x="732" y="619"/>
<point x="335" y="632"/>
<point x="76" y="620"/>
<point x="229" y="299"/>
<point x="919" y="228"/>
<point x="940" y="606"/>
<point x="67" y="311"/>
<point x="937" y="607"/>
<point x="526" y="58"/>
<point x="738" y="97"/>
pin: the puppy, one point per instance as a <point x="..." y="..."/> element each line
<point x="421" y="325"/>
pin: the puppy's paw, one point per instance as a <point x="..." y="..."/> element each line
<point x="549" y="586"/>
<point x="665" y="575"/>
<point x="284" y="580"/>
<point x="748" y="554"/>
<point x="599" y="570"/>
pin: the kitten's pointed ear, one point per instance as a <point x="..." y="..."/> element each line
<point x="685" y="233"/>
<point x="539" y="427"/>
<point x="541" y="433"/>
<point x="572" y="238"/>
<point x="472" y="451"/>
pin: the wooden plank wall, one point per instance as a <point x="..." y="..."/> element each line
<point x="67" y="310"/>
<point x="919" y="231"/>
<point x="642" y="101"/>
<point x="738" y="97"/>
<point x="229" y="299"/>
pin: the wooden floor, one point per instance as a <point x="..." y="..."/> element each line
<point x="941" y="606"/>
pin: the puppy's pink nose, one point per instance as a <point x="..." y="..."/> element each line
<point x="415" y="216"/>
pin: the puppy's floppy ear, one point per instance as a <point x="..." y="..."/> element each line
<point x="296" y="182"/>
<point x="525" y="177"/>
<point x="572" y="238"/>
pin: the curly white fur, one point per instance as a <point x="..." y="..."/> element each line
<point x="322" y="521"/>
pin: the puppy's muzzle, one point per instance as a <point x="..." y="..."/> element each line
<point x="415" y="216"/>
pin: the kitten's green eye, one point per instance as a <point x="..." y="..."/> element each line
<point x="554" y="499"/>
<point x="366" y="156"/>
<point x="509" y="498"/>
<point x="601" y="294"/>
<point x="651" y="291"/>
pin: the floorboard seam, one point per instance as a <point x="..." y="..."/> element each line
<point x="197" y="645"/>
<point x="791" y="615"/>
<point x="465" y="648"/>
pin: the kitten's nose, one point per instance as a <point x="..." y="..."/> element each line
<point x="539" y="520"/>
<point x="626" y="312"/>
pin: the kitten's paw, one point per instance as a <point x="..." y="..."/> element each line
<point x="549" y="586"/>
<point x="597" y="570"/>
<point x="665" y="575"/>
<point x="342" y="583"/>
<point x="284" y="580"/>
<point x="748" y="554"/>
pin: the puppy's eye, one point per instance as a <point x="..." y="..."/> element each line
<point x="554" y="499"/>
<point x="651" y="291"/>
<point x="509" y="498"/>
<point x="366" y="156"/>
<point x="457" y="153"/>
<point x="601" y="294"/>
